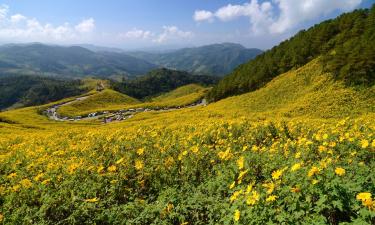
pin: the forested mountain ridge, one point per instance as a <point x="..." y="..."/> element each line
<point x="215" y="59"/>
<point x="20" y="90"/>
<point x="346" y="44"/>
<point x="74" y="61"/>
<point x="160" y="81"/>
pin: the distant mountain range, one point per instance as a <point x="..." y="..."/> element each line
<point x="91" y="60"/>
<point x="74" y="61"/>
<point x="215" y="59"/>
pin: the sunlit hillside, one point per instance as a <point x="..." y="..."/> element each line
<point x="289" y="153"/>
<point x="109" y="100"/>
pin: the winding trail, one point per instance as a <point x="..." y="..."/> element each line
<point x="113" y="116"/>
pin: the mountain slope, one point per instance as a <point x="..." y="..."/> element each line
<point x="160" y="81"/>
<point x="216" y="59"/>
<point x="68" y="61"/>
<point x="305" y="92"/>
<point x="18" y="91"/>
<point x="346" y="43"/>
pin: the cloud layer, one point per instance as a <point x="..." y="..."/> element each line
<point x="168" y="34"/>
<point x="18" y="27"/>
<point x="276" y="16"/>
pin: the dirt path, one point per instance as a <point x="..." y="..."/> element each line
<point x="108" y="117"/>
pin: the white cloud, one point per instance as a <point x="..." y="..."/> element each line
<point x="137" y="34"/>
<point x="20" y="28"/>
<point x="86" y="26"/>
<point x="172" y="33"/>
<point x="17" y="18"/>
<point x="278" y="16"/>
<point x="4" y="9"/>
<point x="294" y="12"/>
<point x="202" y="15"/>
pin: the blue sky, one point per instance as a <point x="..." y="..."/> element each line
<point x="164" y="23"/>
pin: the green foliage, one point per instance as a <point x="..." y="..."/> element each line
<point x="346" y="44"/>
<point x="216" y="59"/>
<point x="160" y="81"/>
<point x="33" y="90"/>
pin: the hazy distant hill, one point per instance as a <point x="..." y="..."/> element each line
<point x="216" y="59"/>
<point x="68" y="61"/>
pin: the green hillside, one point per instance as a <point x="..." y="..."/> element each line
<point x="346" y="44"/>
<point x="20" y="91"/>
<point x="216" y="59"/>
<point x="99" y="101"/>
<point x="160" y="81"/>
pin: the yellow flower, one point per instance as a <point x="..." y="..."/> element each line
<point x="26" y="183"/>
<point x="314" y="170"/>
<point x="194" y="149"/>
<point x="249" y="188"/>
<point x="225" y="155"/>
<point x="322" y="148"/>
<point x="253" y="198"/>
<point x="296" y="167"/>
<point x="237" y="215"/>
<point x="277" y="174"/>
<point x="100" y="169"/>
<point x="240" y="163"/>
<point x="235" y="195"/>
<point x="270" y="187"/>
<point x="39" y="177"/>
<point x="12" y="175"/>
<point x="92" y="200"/>
<point x="140" y="151"/>
<point x="112" y="168"/>
<point x="46" y="181"/>
<point x="232" y="185"/>
<point x="364" y="143"/>
<point x="138" y="164"/>
<point x="325" y="136"/>
<point x="254" y="148"/>
<point x="241" y="175"/>
<point x="340" y="171"/>
<point x="271" y="198"/>
<point x="363" y="196"/>
<point x="184" y="223"/>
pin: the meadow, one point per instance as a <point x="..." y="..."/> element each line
<point x="298" y="151"/>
